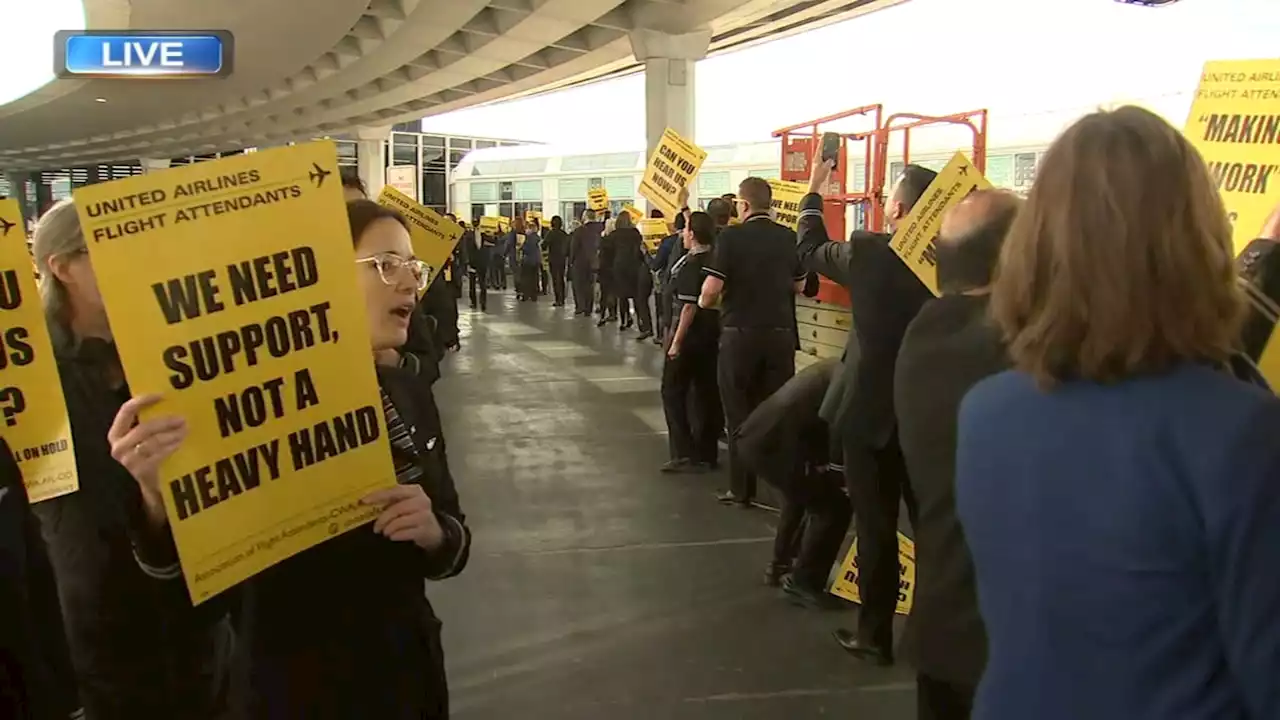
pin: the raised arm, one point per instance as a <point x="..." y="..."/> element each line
<point x="814" y="248"/>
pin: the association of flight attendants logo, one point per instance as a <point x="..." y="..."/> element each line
<point x="165" y="54"/>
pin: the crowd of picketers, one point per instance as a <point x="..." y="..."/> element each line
<point x="1076" y="425"/>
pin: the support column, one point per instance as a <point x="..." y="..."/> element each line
<point x="371" y="157"/>
<point x="18" y="191"/>
<point x="669" y="87"/>
<point x="150" y="165"/>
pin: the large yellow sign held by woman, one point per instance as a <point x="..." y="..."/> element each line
<point x="33" y="416"/>
<point x="231" y="289"/>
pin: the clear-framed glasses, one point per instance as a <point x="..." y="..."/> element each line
<point x="390" y="266"/>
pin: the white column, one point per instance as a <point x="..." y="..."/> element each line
<point x="371" y="157"/>
<point x="150" y="165"/>
<point x="669" y="87"/>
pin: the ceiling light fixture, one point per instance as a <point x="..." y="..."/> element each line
<point x="100" y="100"/>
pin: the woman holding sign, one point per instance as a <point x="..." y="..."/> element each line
<point x="343" y="630"/>
<point x="138" y="647"/>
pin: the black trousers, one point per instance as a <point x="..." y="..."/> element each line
<point x="940" y="700"/>
<point x="608" y="300"/>
<point x="527" y="282"/>
<point x="478" y="285"/>
<point x="584" y="292"/>
<point x="663" y="301"/>
<point x="877" y="482"/>
<point x="557" y="282"/>
<point x="753" y="364"/>
<point x="689" y="401"/>
<point x="815" y="517"/>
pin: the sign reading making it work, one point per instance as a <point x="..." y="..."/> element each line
<point x="1235" y="124"/>
<point x="33" y="415"/>
<point x="671" y="168"/>
<point x="232" y="292"/>
<point x="433" y="235"/>
<point x="916" y="240"/>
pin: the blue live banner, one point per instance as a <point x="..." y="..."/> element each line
<point x="143" y="54"/>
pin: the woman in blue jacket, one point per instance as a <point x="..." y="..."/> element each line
<point x="1120" y="489"/>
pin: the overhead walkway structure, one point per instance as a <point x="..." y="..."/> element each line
<point x="357" y="67"/>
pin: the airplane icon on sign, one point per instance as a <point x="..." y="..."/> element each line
<point x="5" y="226"/>
<point x="319" y="174"/>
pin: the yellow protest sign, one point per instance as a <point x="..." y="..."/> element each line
<point x="490" y="225"/>
<point x="433" y="235"/>
<point x="1235" y="124"/>
<point x="636" y="213"/>
<point x="232" y="292"/>
<point x="786" y="202"/>
<point x="671" y="167"/>
<point x="531" y="216"/>
<point x="597" y="199"/>
<point x="917" y="236"/>
<point x="504" y="223"/>
<point x="653" y="230"/>
<point x="32" y="408"/>
<point x="846" y="584"/>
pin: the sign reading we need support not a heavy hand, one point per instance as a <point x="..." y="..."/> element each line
<point x="671" y="168"/>
<point x="33" y="416"/>
<point x="231" y="289"/>
<point x="1235" y="124"/>
<point x="916" y="240"/>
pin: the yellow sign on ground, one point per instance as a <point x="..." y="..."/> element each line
<point x="917" y="236"/>
<point x="846" y="584"/>
<point x="653" y="230"/>
<point x="33" y="414"/>
<point x="672" y="167"/>
<point x="786" y="201"/>
<point x="433" y="235"/>
<point x="597" y="199"/>
<point x="1235" y="124"/>
<point x="231" y="288"/>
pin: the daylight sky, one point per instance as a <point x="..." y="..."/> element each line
<point x="1019" y="58"/>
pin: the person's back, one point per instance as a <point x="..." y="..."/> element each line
<point x="1136" y="522"/>
<point x="763" y="253"/>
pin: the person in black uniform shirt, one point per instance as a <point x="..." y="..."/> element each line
<point x="557" y="248"/>
<point x="884" y="298"/>
<point x="584" y="249"/>
<point x="608" y="308"/>
<point x="755" y="274"/>
<point x="948" y="348"/>
<point x="36" y="678"/>
<point x="477" y="254"/>
<point x="689" y="374"/>
<point x="628" y="262"/>
<point x="342" y="629"/>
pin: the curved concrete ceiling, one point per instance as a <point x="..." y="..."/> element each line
<point x="327" y="67"/>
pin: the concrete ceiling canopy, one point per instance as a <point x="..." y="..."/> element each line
<point x="328" y="66"/>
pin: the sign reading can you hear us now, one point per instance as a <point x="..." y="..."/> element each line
<point x="671" y="168"/>
<point x="916" y="240"/>
<point x="1235" y="124"/>
<point x="33" y="416"/>
<point x="231" y="290"/>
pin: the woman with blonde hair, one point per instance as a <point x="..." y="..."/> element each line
<point x="140" y="650"/>
<point x="1119" y="489"/>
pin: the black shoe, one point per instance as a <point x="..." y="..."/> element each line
<point x="678" y="465"/>
<point x="806" y="597"/>
<point x="774" y="572"/>
<point x="728" y="497"/>
<point x="602" y="322"/>
<point x="644" y="335"/>
<point x="863" y="651"/>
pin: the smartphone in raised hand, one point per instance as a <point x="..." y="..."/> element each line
<point x="830" y="147"/>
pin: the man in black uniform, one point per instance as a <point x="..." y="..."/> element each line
<point x="477" y="254"/>
<point x="557" y="247"/>
<point x="884" y="298"/>
<point x="754" y="275"/>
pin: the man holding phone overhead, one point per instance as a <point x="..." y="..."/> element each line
<point x="753" y="275"/>
<point x="884" y="296"/>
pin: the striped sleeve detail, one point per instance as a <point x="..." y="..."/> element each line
<point x="687" y="298"/>
<point x="77" y="714"/>
<point x="810" y="212"/>
<point x="464" y="542"/>
<point x="713" y="272"/>
<point x="159" y="572"/>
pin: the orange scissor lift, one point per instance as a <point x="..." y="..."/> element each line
<point x="800" y="143"/>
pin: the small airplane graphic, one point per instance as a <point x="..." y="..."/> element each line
<point x="319" y="174"/>
<point x="5" y="226"/>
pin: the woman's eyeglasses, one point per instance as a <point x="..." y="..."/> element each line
<point x="389" y="268"/>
